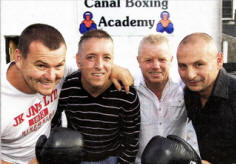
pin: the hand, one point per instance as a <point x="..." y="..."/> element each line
<point x="33" y="161"/>
<point x="4" y="162"/>
<point x="121" y="74"/>
<point x="205" y="162"/>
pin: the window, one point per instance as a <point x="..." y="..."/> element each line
<point x="227" y="8"/>
<point x="11" y="44"/>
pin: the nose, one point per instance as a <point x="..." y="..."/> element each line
<point x="99" y="63"/>
<point x="191" y="73"/>
<point x="51" y="74"/>
<point x="156" y="64"/>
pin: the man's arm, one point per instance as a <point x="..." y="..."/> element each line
<point x="4" y="162"/>
<point x="33" y="161"/>
<point x="121" y="74"/>
<point x="130" y="131"/>
<point x="205" y="162"/>
<point x="62" y="105"/>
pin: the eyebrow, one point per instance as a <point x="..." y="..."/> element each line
<point x="42" y="62"/>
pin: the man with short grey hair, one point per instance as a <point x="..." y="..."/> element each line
<point x="162" y="105"/>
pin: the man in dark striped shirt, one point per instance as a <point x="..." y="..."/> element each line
<point x="108" y="119"/>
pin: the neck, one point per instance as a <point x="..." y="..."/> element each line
<point x="15" y="77"/>
<point x="96" y="91"/>
<point x="157" y="88"/>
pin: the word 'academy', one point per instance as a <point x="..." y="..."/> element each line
<point x="127" y="22"/>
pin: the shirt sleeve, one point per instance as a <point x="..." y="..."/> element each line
<point x="62" y="104"/>
<point x="130" y="131"/>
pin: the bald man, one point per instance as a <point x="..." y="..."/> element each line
<point x="210" y="97"/>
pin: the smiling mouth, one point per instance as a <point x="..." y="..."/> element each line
<point x="193" y="83"/>
<point x="155" y="73"/>
<point x="47" y="85"/>
<point x="97" y="74"/>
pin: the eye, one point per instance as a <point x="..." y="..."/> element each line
<point x="59" y="65"/>
<point x="197" y="65"/>
<point x="162" y="60"/>
<point x="148" y="60"/>
<point x="107" y="57"/>
<point x="41" y="66"/>
<point x="182" y="66"/>
<point x="90" y="57"/>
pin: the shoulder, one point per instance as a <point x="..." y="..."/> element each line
<point x="232" y="81"/>
<point x="72" y="82"/>
<point x="75" y="76"/>
<point x="226" y="81"/>
<point x="175" y="88"/>
<point x="132" y="90"/>
<point x="232" y="88"/>
<point x="130" y="97"/>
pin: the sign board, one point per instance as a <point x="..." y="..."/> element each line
<point x="141" y="17"/>
<point x="126" y="20"/>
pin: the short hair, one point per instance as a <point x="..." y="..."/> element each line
<point x="153" y="39"/>
<point x="97" y="33"/>
<point x="192" y="38"/>
<point x="46" y="34"/>
<point x="200" y="36"/>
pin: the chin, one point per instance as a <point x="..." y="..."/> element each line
<point x="97" y="86"/>
<point x="194" y="89"/>
<point x="46" y="93"/>
<point x="156" y="80"/>
<point x="98" y="83"/>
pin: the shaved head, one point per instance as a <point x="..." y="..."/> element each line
<point x="199" y="62"/>
<point x="200" y="40"/>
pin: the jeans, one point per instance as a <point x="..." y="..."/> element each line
<point x="109" y="160"/>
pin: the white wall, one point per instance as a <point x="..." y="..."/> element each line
<point x="187" y="16"/>
<point x="18" y="14"/>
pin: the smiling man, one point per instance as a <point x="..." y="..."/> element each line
<point x="109" y="120"/>
<point x="30" y="89"/>
<point x="210" y="97"/>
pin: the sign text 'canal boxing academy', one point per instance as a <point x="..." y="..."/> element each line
<point x="122" y="20"/>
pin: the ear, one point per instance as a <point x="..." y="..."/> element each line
<point x="18" y="58"/>
<point x="220" y="60"/>
<point x="171" y="59"/>
<point x="78" y="60"/>
<point x="139" y="59"/>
